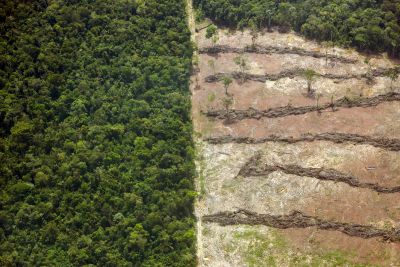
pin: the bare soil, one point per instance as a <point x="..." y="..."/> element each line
<point x="255" y="168"/>
<point x="374" y="122"/>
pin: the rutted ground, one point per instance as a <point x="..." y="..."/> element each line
<point x="325" y="168"/>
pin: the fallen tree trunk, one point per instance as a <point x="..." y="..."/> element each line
<point x="345" y="102"/>
<point x="385" y="143"/>
<point x="258" y="49"/>
<point x="291" y="73"/>
<point x="254" y="167"/>
<point x="296" y="219"/>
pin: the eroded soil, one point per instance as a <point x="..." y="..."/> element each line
<point x="285" y="179"/>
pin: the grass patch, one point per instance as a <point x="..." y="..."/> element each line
<point x="272" y="249"/>
<point x="201" y="166"/>
<point x="211" y="97"/>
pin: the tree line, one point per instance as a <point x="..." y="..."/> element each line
<point x="371" y="26"/>
<point x="95" y="134"/>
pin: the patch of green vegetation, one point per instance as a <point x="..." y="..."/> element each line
<point x="206" y="230"/>
<point x="207" y="128"/>
<point x="202" y="165"/>
<point x="199" y="15"/>
<point x="202" y="185"/>
<point x="272" y="249"/>
<point x="211" y="97"/>
<point x="259" y="246"/>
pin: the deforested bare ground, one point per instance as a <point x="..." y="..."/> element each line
<point x="254" y="167"/>
<point x="371" y="122"/>
<point x="279" y="193"/>
<point x="338" y="165"/>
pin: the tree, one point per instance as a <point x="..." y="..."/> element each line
<point x="269" y="12"/>
<point x="241" y="62"/>
<point x="327" y="45"/>
<point x="138" y="237"/>
<point x="227" y="101"/>
<point x="333" y="103"/>
<point x="318" y="109"/>
<point x="309" y="75"/>
<point x="226" y="80"/>
<point x="211" y="64"/>
<point x="212" y="33"/>
<point x="253" y="33"/>
<point x="197" y="86"/>
<point x="368" y="75"/>
<point x="393" y="74"/>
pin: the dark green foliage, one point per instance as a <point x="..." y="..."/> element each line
<point x="210" y="31"/>
<point x="372" y="25"/>
<point x="95" y="138"/>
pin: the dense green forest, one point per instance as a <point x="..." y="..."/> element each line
<point x="369" y="25"/>
<point x="95" y="139"/>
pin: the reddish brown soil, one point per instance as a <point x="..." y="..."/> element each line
<point x="377" y="167"/>
<point x="373" y="121"/>
<point x="371" y="251"/>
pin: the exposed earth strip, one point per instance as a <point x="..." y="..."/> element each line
<point x="385" y="143"/>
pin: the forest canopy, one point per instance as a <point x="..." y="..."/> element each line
<point x="369" y="25"/>
<point x="95" y="138"/>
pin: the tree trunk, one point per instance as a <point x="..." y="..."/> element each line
<point x="326" y="57"/>
<point x="269" y="24"/>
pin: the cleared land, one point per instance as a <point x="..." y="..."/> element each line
<point x="286" y="179"/>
